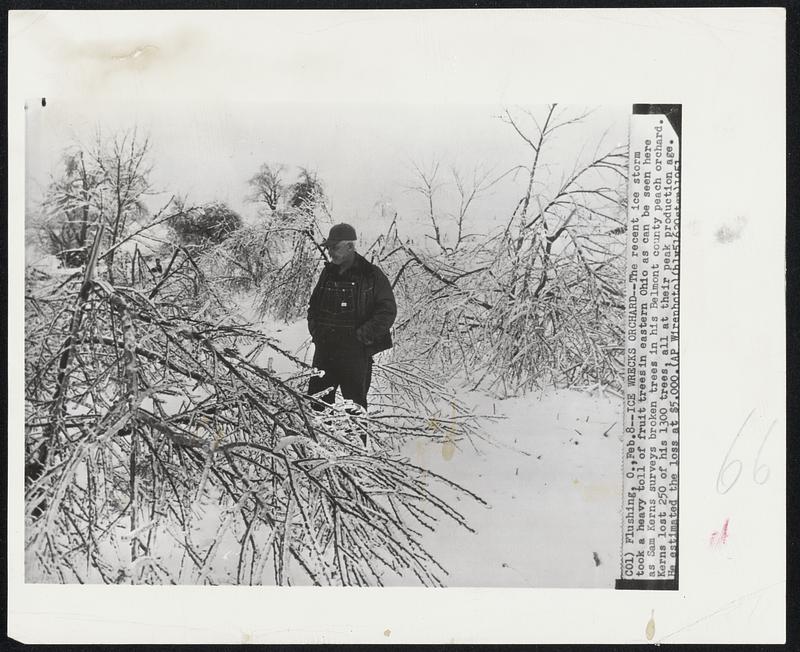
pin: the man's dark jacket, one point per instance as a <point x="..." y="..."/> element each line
<point x="375" y="308"/>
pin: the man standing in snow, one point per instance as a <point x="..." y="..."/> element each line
<point x="350" y="312"/>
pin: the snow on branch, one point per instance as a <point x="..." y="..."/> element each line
<point x="158" y="450"/>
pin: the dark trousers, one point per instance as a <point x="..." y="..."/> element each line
<point x="346" y="365"/>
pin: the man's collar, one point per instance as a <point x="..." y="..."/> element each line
<point x="358" y="264"/>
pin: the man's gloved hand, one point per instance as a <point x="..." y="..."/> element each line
<point x="362" y="336"/>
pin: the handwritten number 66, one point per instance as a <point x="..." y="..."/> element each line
<point x="734" y="466"/>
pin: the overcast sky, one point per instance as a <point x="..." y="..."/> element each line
<point x="364" y="154"/>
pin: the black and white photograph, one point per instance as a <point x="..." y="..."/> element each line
<point x="411" y="326"/>
<point x="293" y="345"/>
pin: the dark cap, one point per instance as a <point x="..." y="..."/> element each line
<point x="340" y="232"/>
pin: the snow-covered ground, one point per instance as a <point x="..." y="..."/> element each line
<point x="552" y="481"/>
<point x="549" y="469"/>
<point x="550" y="473"/>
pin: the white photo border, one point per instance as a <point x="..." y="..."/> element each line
<point x="725" y="67"/>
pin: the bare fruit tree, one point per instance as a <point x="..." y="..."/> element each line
<point x="106" y="181"/>
<point x="539" y="299"/>
<point x="161" y="447"/>
<point x="268" y="186"/>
